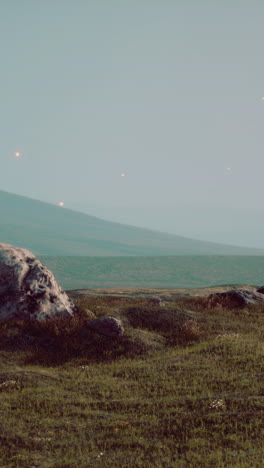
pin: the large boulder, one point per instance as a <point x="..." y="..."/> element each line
<point x="28" y="290"/>
<point x="108" y="326"/>
<point x="235" y="298"/>
<point x="261" y="290"/>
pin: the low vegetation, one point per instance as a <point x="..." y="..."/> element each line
<point x="182" y="388"/>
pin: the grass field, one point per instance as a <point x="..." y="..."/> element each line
<point x="167" y="394"/>
<point x="155" y="272"/>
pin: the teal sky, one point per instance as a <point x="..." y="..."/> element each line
<point x="167" y="92"/>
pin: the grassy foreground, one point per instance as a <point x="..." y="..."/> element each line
<point x="168" y="394"/>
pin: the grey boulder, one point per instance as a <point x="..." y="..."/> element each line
<point x="108" y="326"/>
<point x="28" y="290"/>
<point x="235" y="298"/>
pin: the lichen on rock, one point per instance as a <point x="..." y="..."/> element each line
<point x="28" y="290"/>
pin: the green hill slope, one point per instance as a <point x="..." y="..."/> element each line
<point x="51" y="230"/>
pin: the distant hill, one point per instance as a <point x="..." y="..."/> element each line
<point x="52" y="230"/>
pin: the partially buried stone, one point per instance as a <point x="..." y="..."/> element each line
<point x="28" y="290"/>
<point x="108" y="326"/>
<point x="156" y="301"/>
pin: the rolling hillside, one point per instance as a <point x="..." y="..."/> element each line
<point x="51" y="230"/>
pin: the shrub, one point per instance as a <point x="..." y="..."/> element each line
<point x="162" y="320"/>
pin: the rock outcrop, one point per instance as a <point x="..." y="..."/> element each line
<point x="235" y="298"/>
<point x="28" y="290"/>
<point x="108" y="326"/>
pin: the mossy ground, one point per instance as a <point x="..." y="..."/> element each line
<point x="162" y="396"/>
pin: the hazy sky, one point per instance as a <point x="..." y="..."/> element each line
<point x="167" y="92"/>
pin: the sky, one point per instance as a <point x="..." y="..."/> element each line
<point x="145" y="112"/>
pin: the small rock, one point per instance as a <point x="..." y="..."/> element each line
<point x="157" y="301"/>
<point x="108" y="326"/>
<point x="9" y="385"/>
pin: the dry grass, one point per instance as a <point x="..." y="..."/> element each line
<point x="170" y="393"/>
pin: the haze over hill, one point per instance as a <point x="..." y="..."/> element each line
<point x="224" y="223"/>
<point x="52" y="230"/>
